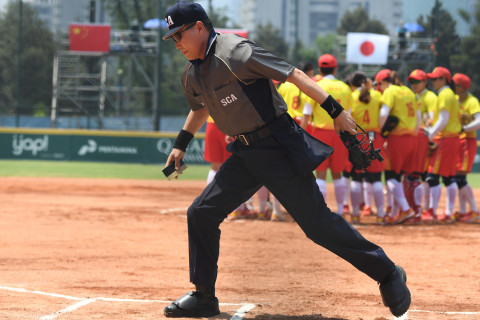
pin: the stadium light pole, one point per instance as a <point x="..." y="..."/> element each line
<point x="156" y="114"/>
<point x="19" y="64"/>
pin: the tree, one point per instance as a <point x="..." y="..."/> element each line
<point x="36" y="59"/>
<point x="133" y="12"/>
<point x="467" y="61"/>
<point x="269" y="38"/>
<point x="358" y="21"/>
<point x="448" y="41"/>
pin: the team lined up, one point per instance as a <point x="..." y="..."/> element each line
<point x="423" y="137"/>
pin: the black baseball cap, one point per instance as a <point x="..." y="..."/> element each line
<point x="181" y="13"/>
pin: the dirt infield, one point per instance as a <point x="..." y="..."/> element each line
<point x="74" y="249"/>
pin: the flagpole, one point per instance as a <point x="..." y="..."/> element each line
<point x="19" y="66"/>
<point x="158" y="91"/>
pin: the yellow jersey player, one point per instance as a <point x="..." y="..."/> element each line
<point x="294" y="98"/>
<point x="398" y="101"/>
<point x="366" y="110"/>
<point x="426" y="104"/>
<point x="445" y="133"/>
<point x="323" y="128"/>
<point x="470" y="118"/>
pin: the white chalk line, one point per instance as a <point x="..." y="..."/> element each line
<point x="173" y="210"/>
<point x="71" y="308"/>
<point x="447" y="312"/>
<point x="238" y="315"/>
<point x="405" y="316"/>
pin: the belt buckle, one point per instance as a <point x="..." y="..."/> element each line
<point x="243" y="139"/>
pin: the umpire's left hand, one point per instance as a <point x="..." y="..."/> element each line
<point x="345" y="122"/>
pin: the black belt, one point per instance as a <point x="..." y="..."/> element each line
<point x="249" y="138"/>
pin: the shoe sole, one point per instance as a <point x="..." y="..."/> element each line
<point x="186" y="314"/>
<point x="402" y="220"/>
<point x="403" y="306"/>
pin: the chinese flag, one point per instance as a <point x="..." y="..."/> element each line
<point x="240" y="32"/>
<point x="89" y="37"/>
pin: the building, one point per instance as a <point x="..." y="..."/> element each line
<point x="314" y="17"/>
<point x="58" y="14"/>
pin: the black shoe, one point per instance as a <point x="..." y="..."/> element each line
<point x="395" y="293"/>
<point x="194" y="304"/>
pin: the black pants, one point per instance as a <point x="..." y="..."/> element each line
<point x="266" y="163"/>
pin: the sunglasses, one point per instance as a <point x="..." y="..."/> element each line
<point x="433" y="79"/>
<point x="414" y="81"/>
<point x="178" y="36"/>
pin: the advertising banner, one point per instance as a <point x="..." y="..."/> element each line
<point x="75" y="147"/>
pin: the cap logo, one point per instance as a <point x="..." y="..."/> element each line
<point x="169" y="21"/>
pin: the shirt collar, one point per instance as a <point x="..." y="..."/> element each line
<point x="211" y="39"/>
<point x="421" y="93"/>
<point x="441" y="89"/>
<point x="329" y="76"/>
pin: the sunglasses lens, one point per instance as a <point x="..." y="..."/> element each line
<point x="414" y="81"/>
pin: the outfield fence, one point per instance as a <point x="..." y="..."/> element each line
<point x="82" y="145"/>
<point x="102" y="146"/>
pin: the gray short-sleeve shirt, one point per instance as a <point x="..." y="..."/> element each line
<point x="234" y="83"/>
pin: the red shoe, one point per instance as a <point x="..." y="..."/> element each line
<point x="446" y="219"/>
<point x="429" y="215"/>
<point x="415" y="220"/>
<point x="457" y="215"/>
<point x="468" y="217"/>
<point x="367" y="211"/>
<point x="390" y="220"/>
<point x="346" y="209"/>
<point x="404" y="215"/>
<point x="242" y="214"/>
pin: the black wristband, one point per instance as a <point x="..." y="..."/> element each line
<point x="183" y="139"/>
<point x="332" y="107"/>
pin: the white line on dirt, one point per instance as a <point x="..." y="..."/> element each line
<point x="71" y="308"/>
<point x="173" y="210"/>
<point x="242" y="312"/>
<point x="447" y="312"/>
<point x="42" y="293"/>
<point x="239" y="314"/>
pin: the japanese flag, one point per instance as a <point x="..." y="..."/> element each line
<point x="367" y="48"/>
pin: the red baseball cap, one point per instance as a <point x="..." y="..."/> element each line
<point x="462" y="80"/>
<point x="382" y="75"/>
<point x="327" y="61"/>
<point x="439" y="72"/>
<point x="417" y="74"/>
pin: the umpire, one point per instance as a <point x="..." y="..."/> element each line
<point x="229" y="78"/>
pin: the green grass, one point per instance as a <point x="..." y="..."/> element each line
<point x="72" y="169"/>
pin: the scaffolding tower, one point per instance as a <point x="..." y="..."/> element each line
<point x="120" y="83"/>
